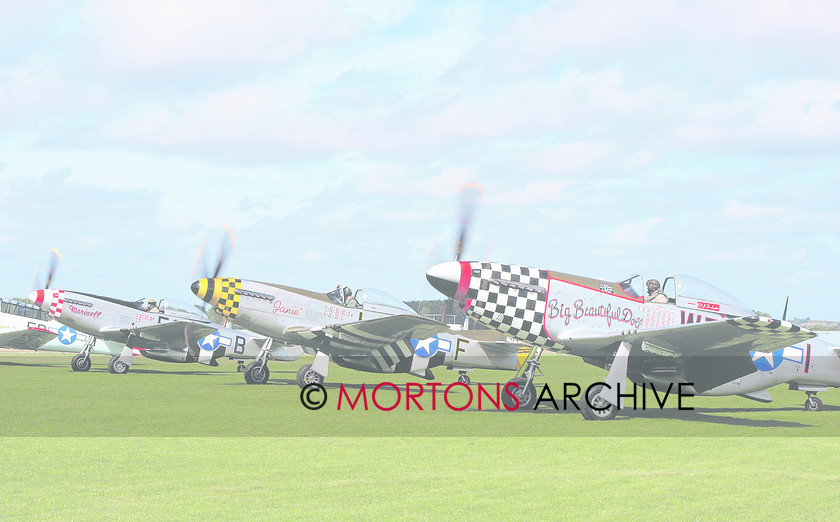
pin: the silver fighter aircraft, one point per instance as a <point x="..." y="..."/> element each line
<point x="153" y="329"/>
<point x="27" y="327"/>
<point x="685" y="331"/>
<point x="367" y="330"/>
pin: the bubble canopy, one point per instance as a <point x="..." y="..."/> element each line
<point x="688" y="287"/>
<point x="373" y="299"/>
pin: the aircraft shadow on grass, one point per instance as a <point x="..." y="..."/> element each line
<point x="31" y="365"/>
<point x="701" y="414"/>
<point x="134" y="369"/>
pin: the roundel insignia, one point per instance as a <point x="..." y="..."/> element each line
<point x="765" y="362"/>
<point x="66" y="335"/>
<point x="430" y="346"/>
<point x="209" y="343"/>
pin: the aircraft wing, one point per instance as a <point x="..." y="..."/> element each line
<point x="370" y="334"/>
<point x="26" y="339"/>
<point x="178" y="333"/>
<point x="732" y="336"/>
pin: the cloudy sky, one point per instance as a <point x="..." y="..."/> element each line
<point x="610" y="139"/>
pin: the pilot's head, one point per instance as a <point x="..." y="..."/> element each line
<point x="152" y="302"/>
<point x="652" y="286"/>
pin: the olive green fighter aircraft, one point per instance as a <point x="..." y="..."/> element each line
<point x="368" y="331"/>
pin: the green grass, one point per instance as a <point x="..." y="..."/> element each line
<point x="41" y="396"/>
<point x="186" y="441"/>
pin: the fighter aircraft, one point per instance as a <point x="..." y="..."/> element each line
<point x="687" y="332"/>
<point x="368" y="330"/>
<point x="812" y="367"/>
<point x="26" y="327"/>
<point x="157" y="331"/>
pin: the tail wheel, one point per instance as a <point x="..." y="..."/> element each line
<point x="464" y="379"/>
<point x="527" y="395"/>
<point x="80" y="363"/>
<point x="600" y="410"/>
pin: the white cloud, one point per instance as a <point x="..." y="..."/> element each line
<point x="797" y="117"/>
<point x="170" y="34"/>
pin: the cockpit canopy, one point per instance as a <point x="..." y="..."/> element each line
<point x="174" y="308"/>
<point x="373" y="300"/>
<point x="689" y="292"/>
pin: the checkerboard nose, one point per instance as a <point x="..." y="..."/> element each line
<point x="222" y="293"/>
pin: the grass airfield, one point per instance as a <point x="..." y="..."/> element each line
<point x="175" y="441"/>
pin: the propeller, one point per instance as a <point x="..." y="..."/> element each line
<point x="469" y="195"/>
<point x="201" y="265"/>
<point x="55" y="257"/>
<point x="784" y="314"/>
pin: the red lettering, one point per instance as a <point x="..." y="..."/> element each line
<point x="392" y="385"/>
<point x="433" y="386"/>
<point x="409" y="397"/>
<point x="508" y="389"/>
<point x="496" y="403"/>
<point x="446" y="396"/>
<point x="343" y="393"/>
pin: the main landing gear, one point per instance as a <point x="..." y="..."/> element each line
<point x="526" y="392"/>
<point x="306" y="375"/>
<point x="605" y="403"/>
<point x="120" y="364"/>
<point x="314" y="373"/>
<point x="257" y="372"/>
<point x="813" y="403"/>
<point x="81" y="361"/>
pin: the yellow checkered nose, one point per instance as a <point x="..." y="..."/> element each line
<point x="221" y="293"/>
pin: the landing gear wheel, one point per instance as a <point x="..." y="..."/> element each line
<point x="240" y="368"/>
<point x="813" y="404"/>
<point x="464" y="378"/>
<point x="80" y="363"/>
<point x="300" y="372"/>
<point x="247" y="373"/>
<point x="602" y="410"/>
<point x="527" y="395"/>
<point x="116" y="366"/>
<point x="306" y="375"/>
<point x="257" y="373"/>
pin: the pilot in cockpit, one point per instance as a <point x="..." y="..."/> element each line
<point x="654" y="291"/>
<point x="349" y="300"/>
<point x="153" y="307"/>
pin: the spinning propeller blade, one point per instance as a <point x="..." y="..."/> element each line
<point x="54" y="259"/>
<point x="470" y="194"/>
<point x="784" y="314"/>
<point x="200" y="264"/>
